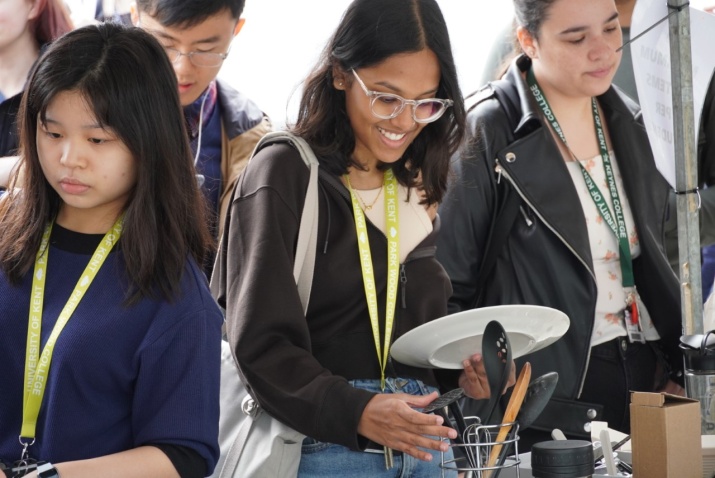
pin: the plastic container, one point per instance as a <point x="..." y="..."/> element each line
<point x="562" y="459"/>
<point x="699" y="353"/>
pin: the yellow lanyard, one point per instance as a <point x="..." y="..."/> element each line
<point x="393" y="265"/>
<point x="37" y="365"/>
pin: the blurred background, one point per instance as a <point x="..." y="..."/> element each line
<point x="282" y="40"/>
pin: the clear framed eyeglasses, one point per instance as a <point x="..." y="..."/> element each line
<point x="388" y="105"/>
<point x="197" y="58"/>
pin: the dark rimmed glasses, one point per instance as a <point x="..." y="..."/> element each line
<point x="388" y="105"/>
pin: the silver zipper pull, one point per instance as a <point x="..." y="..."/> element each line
<point x="498" y="170"/>
<point x="528" y="221"/>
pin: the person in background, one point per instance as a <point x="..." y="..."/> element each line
<point x="223" y="124"/>
<point x="383" y="114"/>
<point x="587" y="237"/>
<point x="500" y="54"/>
<point x="625" y="77"/>
<point x="26" y="26"/>
<point x="109" y="336"/>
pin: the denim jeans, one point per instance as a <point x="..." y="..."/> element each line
<point x="321" y="459"/>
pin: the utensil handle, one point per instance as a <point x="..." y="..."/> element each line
<point x="608" y="452"/>
<point x="512" y="409"/>
<point x="496" y="449"/>
<point x="502" y="459"/>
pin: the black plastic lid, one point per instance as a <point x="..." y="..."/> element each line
<point x="699" y="351"/>
<point x="562" y="459"/>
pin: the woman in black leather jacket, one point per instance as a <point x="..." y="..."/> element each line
<point x="563" y="248"/>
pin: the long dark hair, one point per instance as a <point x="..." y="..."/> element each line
<point x="130" y="86"/>
<point x="370" y="32"/>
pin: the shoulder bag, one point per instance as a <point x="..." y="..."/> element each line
<point x="254" y="444"/>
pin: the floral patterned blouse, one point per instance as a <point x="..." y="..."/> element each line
<point x="611" y="298"/>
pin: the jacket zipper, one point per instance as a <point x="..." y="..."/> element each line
<point x="501" y="172"/>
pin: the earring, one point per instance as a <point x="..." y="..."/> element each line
<point x="340" y="83"/>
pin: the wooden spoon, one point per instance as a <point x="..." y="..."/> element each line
<point x="512" y="410"/>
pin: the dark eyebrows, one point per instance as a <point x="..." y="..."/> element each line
<point x="584" y="28"/>
<point x="611" y="18"/>
<point x="212" y="39"/>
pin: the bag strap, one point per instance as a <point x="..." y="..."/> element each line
<point x="508" y="201"/>
<point x="303" y="269"/>
<point x="308" y="231"/>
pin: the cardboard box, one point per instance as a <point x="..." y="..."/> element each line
<point x="665" y="431"/>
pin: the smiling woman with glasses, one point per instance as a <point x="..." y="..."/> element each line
<point x="387" y="105"/>
<point x="384" y="115"/>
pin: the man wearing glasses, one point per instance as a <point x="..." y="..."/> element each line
<point x="223" y="124"/>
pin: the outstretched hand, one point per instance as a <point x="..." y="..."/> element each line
<point x="390" y="420"/>
<point x="474" y="379"/>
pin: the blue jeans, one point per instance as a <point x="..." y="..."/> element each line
<point x="320" y="459"/>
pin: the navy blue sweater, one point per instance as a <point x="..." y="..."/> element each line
<point x="120" y="377"/>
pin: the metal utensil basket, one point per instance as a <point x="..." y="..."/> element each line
<point x="478" y="443"/>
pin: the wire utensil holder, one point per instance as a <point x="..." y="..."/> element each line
<point x="478" y="441"/>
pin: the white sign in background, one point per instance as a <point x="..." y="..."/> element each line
<point x="652" y="68"/>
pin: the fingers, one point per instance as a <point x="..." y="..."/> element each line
<point x="512" y="378"/>
<point x="417" y="401"/>
<point x="389" y="420"/>
<point x="423" y="438"/>
<point x="474" y="379"/>
<point x="417" y="449"/>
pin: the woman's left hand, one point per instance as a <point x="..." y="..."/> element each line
<point x="474" y="379"/>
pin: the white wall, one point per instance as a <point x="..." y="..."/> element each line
<point x="282" y="39"/>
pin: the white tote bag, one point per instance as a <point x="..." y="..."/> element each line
<point x="254" y="444"/>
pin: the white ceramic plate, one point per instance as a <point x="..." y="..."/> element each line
<point x="447" y="341"/>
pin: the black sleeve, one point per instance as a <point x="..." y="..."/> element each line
<point x="187" y="461"/>
<point x="466" y="211"/>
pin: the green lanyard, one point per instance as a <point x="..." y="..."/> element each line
<point x="37" y="364"/>
<point x="618" y="226"/>
<point x="393" y="265"/>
